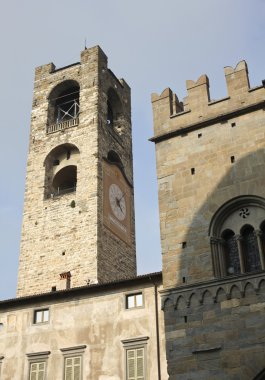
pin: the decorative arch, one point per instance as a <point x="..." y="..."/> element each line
<point x="64" y="102"/>
<point x="237" y="236"/>
<point x="61" y="170"/>
<point x="181" y="303"/>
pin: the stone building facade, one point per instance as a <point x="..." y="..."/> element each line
<point x="93" y="332"/>
<point x="210" y="159"/>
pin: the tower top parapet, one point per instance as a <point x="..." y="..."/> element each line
<point x="172" y="116"/>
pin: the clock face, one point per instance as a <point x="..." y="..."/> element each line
<point x="117" y="201"/>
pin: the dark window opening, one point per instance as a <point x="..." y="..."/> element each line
<point x="115" y="114"/>
<point x="64" y="102"/>
<point x="232" y="158"/>
<point x="114" y="157"/>
<point x="110" y="115"/>
<point x="250" y="249"/>
<point x="192" y="170"/>
<point x="65" y="180"/>
<point x="231" y="253"/>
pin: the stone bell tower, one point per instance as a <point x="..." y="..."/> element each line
<point x="78" y="221"/>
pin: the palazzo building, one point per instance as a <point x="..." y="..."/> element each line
<point x="210" y="167"/>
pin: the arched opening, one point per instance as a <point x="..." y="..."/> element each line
<point x="65" y="180"/>
<point x="231" y="254"/>
<point x="61" y="170"/>
<point x="235" y="243"/>
<point x="64" y="102"/>
<point x="114" y="111"/>
<point x="250" y="249"/>
<point x="114" y="157"/>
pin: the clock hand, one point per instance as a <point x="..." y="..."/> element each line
<point x="119" y="204"/>
<point x="121" y="197"/>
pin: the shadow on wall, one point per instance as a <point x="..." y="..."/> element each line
<point x="229" y="219"/>
<point x="218" y="327"/>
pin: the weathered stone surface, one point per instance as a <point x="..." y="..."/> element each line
<point x="56" y="237"/>
<point x="207" y="153"/>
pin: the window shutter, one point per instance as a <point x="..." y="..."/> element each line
<point x="73" y="368"/>
<point x="68" y="368"/>
<point x="77" y="368"/>
<point x="131" y="364"/>
<point x="41" y="371"/>
<point x="140" y="364"/>
<point x="37" y="371"/>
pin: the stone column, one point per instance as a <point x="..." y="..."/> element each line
<point x="241" y="253"/>
<point x="217" y="257"/>
<point x="261" y="250"/>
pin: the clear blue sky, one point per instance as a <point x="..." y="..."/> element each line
<point x="153" y="44"/>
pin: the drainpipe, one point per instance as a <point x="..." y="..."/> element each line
<point x="157" y="331"/>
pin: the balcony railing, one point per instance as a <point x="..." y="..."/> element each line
<point x="62" y="125"/>
<point x="63" y="191"/>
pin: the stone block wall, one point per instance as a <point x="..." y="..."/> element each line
<point x="57" y="238"/>
<point x="207" y="153"/>
<point x="216" y="331"/>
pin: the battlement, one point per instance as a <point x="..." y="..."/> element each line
<point x="197" y="110"/>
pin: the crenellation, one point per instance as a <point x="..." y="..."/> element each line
<point x="200" y="109"/>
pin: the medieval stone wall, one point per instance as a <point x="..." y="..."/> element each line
<point x="65" y="233"/>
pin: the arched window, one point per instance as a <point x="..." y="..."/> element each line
<point x="250" y="249"/>
<point x="114" y="157"/>
<point x="61" y="170"/>
<point x="114" y="111"/>
<point x="65" y="180"/>
<point x="231" y="254"/>
<point x="237" y="246"/>
<point x="64" y="102"/>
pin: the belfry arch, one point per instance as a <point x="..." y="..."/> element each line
<point x="61" y="170"/>
<point x="64" y="102"/>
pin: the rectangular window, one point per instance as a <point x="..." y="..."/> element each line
<point x="38" y="365"/>
<point x="135" y="350"/>
<point x="37" y="371"/>
<point x="41" y="316"/>
<point x="135" y="364"/>
<point x="73" y="362"/>
<point x="134" y="300"/>
<point x="72" y="368"/>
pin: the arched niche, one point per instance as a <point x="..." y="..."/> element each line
<point x="61" y="167"/>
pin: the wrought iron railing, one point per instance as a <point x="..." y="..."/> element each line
<point x="67" y="110"/>
<point x="63" y="191"/>
<point x="62" y="125"/>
